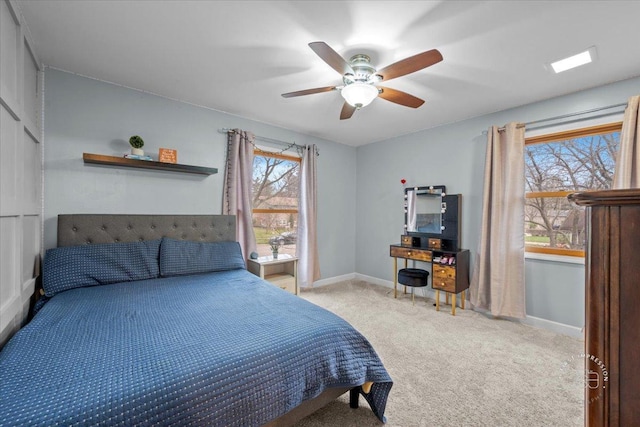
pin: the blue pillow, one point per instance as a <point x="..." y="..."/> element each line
<point x="178" y="257"/>
<point x="91" y="265"/>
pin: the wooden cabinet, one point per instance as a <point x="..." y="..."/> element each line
<point x="444" y="278"/>
<point x="612" y="311"/>
<point x="451" y="278"/>
<point x="281" y="272"/>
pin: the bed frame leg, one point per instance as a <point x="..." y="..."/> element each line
<point x="354" y="395"/>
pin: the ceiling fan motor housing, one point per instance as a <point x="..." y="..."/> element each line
<point x="363" y="72"/>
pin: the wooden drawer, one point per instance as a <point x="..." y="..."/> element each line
<point x="444" y="278"/>
<point x="411" y="253"/>
<point x="444" y="271"/>
<point x="410" y="241"/>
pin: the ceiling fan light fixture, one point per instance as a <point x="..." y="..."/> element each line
<point x="359" y="94"/>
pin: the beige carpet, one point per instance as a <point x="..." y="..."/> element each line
<point x="463" y="370"/>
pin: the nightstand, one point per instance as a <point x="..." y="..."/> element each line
<point x="282" y="271"/>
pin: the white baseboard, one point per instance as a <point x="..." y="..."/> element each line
<point x="374" y="280"/>
<point x="560" y="328"/>
<point x="336" y="279"/>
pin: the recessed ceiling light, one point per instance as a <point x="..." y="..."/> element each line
<point x="574" y="61"/>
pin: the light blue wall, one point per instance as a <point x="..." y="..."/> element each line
<point x="453" y="155"/>
<point x="86" y="115"/>
<point x="359" y="190"/>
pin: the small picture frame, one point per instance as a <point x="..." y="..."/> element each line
<point x="168" y="155"/>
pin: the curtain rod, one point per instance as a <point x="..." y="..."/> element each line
<point x="270" y="140"/>
<point x="565" y="116"/>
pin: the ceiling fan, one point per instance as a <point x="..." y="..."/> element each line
<point x="360" y="78"/>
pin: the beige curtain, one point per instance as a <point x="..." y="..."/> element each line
<point x="236" y="195"/>
<point x="627" y="173"/>
<point x="307" y="246"/>
<point x="497" y="283"/>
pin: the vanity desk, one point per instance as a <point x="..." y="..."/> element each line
<point x="432" y="235"/>
<point x="451" y="278"/>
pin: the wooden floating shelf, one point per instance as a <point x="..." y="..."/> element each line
<point x="146" y="164"/>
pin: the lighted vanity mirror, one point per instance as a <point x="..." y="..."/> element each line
<point x="424" y="209"/>
<point x="432" y="213"/>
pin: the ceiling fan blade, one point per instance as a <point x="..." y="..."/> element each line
<point x="347" y="111"/>
<point x="400" y="97"/>
<point x="331" y="57"/>
<point x="410" y="65"/>
<point x="309" y="91"/>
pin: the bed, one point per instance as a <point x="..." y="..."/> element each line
<point x="154" y="320"/>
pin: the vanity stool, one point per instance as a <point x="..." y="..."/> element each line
<point x="413" y="277"/>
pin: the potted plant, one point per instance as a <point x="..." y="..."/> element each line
<point x="275" y="245"/>
<point x="136" y="145"/>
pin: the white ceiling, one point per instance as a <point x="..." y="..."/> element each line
<point x="240" y="56"/>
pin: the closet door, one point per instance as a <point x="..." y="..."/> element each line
<point x="20" y="169"/>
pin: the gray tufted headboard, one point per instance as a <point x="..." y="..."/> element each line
<point x="79" y="229"/>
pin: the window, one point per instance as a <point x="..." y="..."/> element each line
<point x="557" y="165"/>
<point x="276" y="180"/>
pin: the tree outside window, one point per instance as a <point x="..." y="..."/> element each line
<point x="276" y="183"/>
<point x="557" y="165"/>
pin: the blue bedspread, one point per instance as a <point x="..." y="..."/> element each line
<point x="217" y="349"/>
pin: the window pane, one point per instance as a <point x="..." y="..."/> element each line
<point x="554" y="222"/>
<point x="275" y="187"/>
<point x="275" y="183"/>
<point x="279" y="228"/>
<point x="565" y="163"/>
<point x="579" y="164"/>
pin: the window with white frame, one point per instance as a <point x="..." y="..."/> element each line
<point x="556" y="165"/>
<point x="276" y="182"/>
